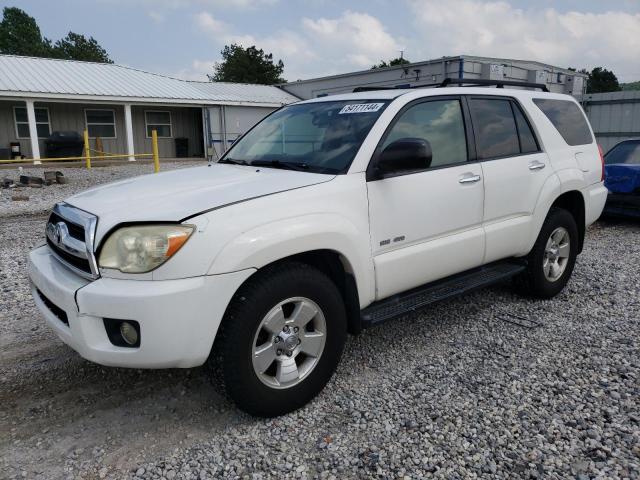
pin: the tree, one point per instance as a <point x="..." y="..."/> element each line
<point x="20" y="34"/>
<point x="630" y="86"/>
<point x="391" y="63"/>
<point x="602" y="80"/>
<point x="247" y="65"/>
<point x="78" y="47"/>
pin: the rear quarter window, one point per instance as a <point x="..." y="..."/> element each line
<point x="568" y="119"/>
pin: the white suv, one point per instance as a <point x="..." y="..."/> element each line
<point x="329" y="216"/>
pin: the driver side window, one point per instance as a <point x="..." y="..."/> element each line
<point x="439" y="122"/>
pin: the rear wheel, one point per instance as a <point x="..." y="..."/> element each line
<point x="551" y="261"/>
<point x="281" y="339"/>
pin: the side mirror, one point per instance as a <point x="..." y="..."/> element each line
<point x="403" y="156"/>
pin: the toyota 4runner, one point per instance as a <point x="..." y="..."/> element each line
<point x="329" y="216"/>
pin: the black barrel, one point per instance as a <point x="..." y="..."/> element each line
<point x="64" y="144"/>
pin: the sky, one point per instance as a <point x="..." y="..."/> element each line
<point x="183" y="38"/>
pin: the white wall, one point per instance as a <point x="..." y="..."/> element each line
<point x="228" y="123"/>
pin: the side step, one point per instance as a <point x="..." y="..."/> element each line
<point x="453" y="286"/>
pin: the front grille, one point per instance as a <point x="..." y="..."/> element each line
<point x="69" y="235"/>
<point x="53" y="308"/>
<point x="77" y="262"/>
<point x="76" y="231"/>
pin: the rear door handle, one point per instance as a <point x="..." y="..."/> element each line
<point x="536" y="165"/>
<point x="469" y="178"/>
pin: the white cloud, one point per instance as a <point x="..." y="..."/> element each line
<point x="498" y="29"/>
<point x="359" y="38"/>
<point x="206" y="22"/>
<point x="238" y="4"/>
<point x="317" y="46"/>
<point x="198" y="70"/>
<point x="226" y="4"/>
<point x="156" y="16"/>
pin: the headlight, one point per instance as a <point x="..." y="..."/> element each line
<point x="141" y="248"/>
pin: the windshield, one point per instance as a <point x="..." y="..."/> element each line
<point x="321" y="137"/>
<point x="625" y="152"/>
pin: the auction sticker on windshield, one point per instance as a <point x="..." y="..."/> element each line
<point x="361" y="108"/>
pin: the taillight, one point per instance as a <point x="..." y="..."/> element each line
<point x="602" y="162"/>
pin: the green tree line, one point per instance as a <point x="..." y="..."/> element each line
<point x="21" y="35"/>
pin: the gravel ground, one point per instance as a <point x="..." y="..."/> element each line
<point x="42" y="199"/>
<point x="486" y="386"/>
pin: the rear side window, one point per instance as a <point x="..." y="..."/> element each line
<point x="495" y="128"/>
<point x="568" y="119"/>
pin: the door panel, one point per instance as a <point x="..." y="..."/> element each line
<point x="515" y="172"/>
<point x="425" y="226"/>
<point x="512" y="188"/>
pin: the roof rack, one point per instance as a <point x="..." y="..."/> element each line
<point x="498" y="83"/>
<point x="465" y="82"/>
<point x="371" y="89"/>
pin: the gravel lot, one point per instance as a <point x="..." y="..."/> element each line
<point x="487" y="386"/>
<point x="42" y="199"/>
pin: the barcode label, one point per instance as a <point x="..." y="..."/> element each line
<point x="361" y="108"/>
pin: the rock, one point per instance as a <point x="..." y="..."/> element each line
<point x="60" y="178"/>
<point x="50" y="177"/>
<point x="31" y="180"/>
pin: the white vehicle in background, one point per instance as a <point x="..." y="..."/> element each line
<point x="329" y="216"/>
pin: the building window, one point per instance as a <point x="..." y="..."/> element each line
<point x="22" y="122"/>
<point x="101" y="123"/>
<point x="159" y="121"/>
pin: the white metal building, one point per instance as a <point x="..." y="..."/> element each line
<point x="121" y="105"/>
<point x="557" y="79"/>
<point x="614" y="116"/>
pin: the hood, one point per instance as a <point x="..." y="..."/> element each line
<point x="622" y="178"/>
<point x="178" y="194"/>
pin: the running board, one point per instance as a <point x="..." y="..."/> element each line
<point x="453" y="286"/>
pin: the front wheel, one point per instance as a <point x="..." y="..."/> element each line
<point x="551" y="261"/>
<point x="281" y="339"/>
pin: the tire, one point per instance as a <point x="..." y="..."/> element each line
<point x="286" y="294"/>
<point x="542" y="279"/>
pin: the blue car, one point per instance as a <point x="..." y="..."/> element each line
<point x="622" y="170"/>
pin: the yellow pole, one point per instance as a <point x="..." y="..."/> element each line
<point x="87" y="150"/>
<point x="154" y="146"/>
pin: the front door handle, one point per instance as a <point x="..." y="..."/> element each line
<point x="536" y="165"/>
<point x="469" y="178"/>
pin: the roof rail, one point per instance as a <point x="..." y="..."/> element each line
<point x="371" y="89"/>
<point x="469" y="82"/>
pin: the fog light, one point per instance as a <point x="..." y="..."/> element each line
<point x="129" y="333"/>
<point x="123" y="333"/>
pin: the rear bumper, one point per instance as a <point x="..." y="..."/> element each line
<point x="624" y="204"/>
<point x="178" y="318"/>
<point x="595" y="197"/>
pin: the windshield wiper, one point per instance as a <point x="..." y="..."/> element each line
<point x="233" y="161"/>
<point x="302" y="167"/>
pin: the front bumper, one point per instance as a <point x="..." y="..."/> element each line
<point x="178" y="318"/>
